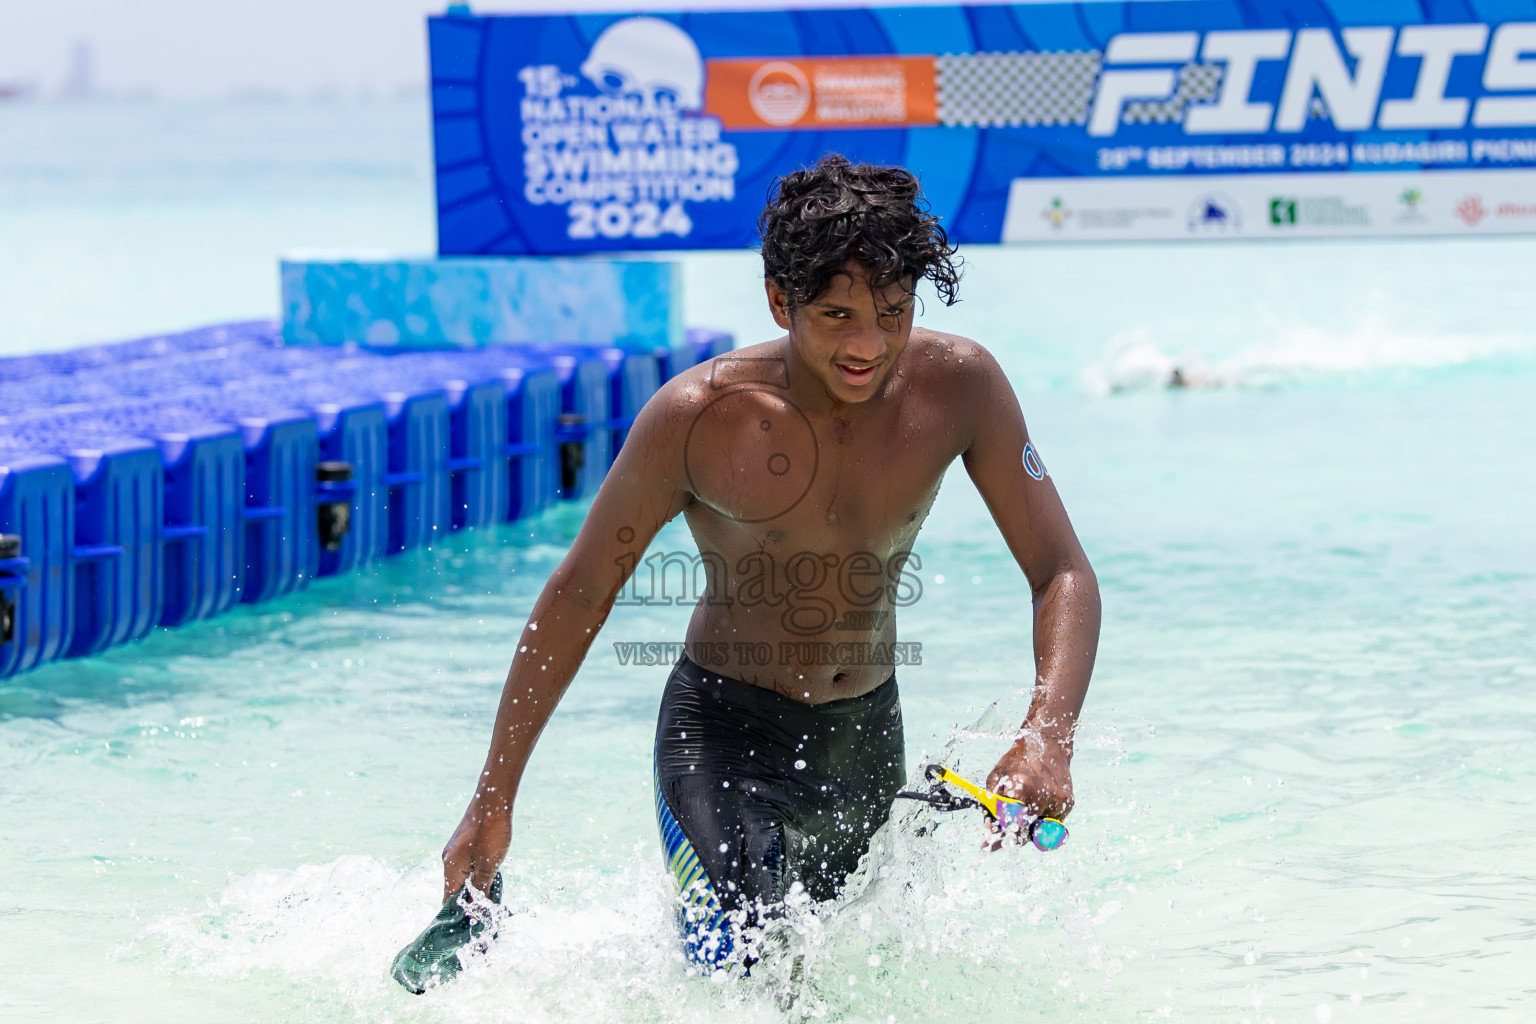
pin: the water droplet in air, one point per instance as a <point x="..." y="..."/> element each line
<point x="800" y="765"/>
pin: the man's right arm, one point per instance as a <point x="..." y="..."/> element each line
<point x="644" y="489"/>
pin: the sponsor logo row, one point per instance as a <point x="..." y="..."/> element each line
<point x="1269" y="206"/>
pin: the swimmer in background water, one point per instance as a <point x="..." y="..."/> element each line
<point x="805" y="467"/>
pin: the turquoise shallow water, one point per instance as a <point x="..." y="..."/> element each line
<point x="1305" y="772"/>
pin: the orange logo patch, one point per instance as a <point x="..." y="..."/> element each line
<point x="822" y="92"/>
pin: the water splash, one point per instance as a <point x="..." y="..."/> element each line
<point x="930" y="927"/>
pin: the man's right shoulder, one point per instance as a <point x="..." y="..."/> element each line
<point x="757" y="366"/>
<point x="693" y="397"/>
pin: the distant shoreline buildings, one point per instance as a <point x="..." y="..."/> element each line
<point x="79" y="77"/>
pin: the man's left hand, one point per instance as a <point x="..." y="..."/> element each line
<point x="1039" y="774"/>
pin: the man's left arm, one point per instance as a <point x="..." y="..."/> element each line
<point x="1012" y="479"/>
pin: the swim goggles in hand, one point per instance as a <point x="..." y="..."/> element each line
<point x="1010" y="815"/>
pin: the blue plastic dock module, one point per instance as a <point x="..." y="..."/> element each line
<point x="160" y="480"/>
<point x="533" y="399"/>
<point x="37" y="507"/>
<point x="356" y="432"/>
<point x="418" y="477"/>
<point x="243" y="363"/>
<point x="281" y="447"/>
<point x="584" y="440"/>
<point x="53" y="390"/>
<point x="351" y="428"/>
<point x="119" y="491"/>
<point x="24" y="367"/>
<point x="282" y="542"/>
<point x="674" y="360"/>
<point x="632" y="379"/>
<point x="165" y="347"/>
<point x="477" y="428"/>
<point x="119" y="509"/>
<point x="533" y="416"/>
<point x="122" y="353"/>
<point x="707" y="342"/>
<point x="159" y="380"/>
<point x="418" y="467"/>
<point x="204" y="472"/>
<point x="477" y="461"/>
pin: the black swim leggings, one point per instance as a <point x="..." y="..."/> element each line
<point x="755" y="791"/>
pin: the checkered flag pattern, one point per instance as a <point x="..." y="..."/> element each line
<point x="1198" y="83"/>
<point x="997" y="90"/>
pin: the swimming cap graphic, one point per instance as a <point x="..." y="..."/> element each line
<point x="647" y="56"/>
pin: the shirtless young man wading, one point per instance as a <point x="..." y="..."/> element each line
<point x="804" y="467"/>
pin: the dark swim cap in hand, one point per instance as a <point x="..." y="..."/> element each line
<point x="433" y="958"/>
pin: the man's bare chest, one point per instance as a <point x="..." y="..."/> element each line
<point x="823" y="483"/>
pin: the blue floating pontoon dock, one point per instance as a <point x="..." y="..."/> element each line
<point x="162" y="481"/>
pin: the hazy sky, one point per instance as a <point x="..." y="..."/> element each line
<point x="215" y="47"/>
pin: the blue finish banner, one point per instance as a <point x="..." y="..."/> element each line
<point x="1027" y="122"/>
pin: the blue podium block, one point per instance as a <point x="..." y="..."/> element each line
<point x="468" y="303"/>
<point x="37" y="505"/>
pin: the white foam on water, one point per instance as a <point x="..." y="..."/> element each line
<point x="1139" y="360"/>
<point x="930" y="921"/>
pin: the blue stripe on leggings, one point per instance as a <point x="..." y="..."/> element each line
<point x="706" y="928"/>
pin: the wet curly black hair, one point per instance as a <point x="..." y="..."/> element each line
<point x="820" y="217"/>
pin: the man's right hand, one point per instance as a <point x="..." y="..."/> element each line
<point x="476" y="849"/>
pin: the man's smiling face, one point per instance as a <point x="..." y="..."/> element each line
<point x="849" y="336"/>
